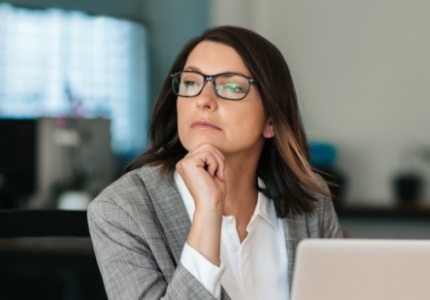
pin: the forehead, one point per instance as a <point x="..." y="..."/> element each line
<point x="213" y="58"/>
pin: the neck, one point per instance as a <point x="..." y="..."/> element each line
<point x="240" y="176"/>
<point x="242" y="195"/>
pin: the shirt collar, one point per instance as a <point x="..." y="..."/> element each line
<point x="264" y="208"/>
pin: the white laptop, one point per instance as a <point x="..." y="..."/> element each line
<point x="362" y="269"/>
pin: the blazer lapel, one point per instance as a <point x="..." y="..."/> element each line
<point x="171" y="212"/>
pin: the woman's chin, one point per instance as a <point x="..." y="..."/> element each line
<point x="200" y="143"/>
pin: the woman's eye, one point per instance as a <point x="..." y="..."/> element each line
<point x="189" y="83"/>
<point x="234" y="88"/>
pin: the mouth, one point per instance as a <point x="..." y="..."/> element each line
<point x="204" y="125"/>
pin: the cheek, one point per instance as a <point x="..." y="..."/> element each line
<point x="252" y="119"/>
<point x="182" y="112"/>
<point x="180" y="120"/>
<point x="179" y="117"/>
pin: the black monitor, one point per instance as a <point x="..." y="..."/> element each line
<point x="17" y="161"/>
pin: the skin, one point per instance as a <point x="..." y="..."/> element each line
<point x="224" y="139"/>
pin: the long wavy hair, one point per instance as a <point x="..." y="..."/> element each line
<point x="284" y="163"/>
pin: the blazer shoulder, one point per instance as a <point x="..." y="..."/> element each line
<point x="134" y="188"/>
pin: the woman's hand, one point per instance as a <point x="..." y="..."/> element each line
<point x="203" y="173"/>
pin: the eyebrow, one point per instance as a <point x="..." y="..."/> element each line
<point x="196" y="69"/>
<point x="191" y="68"/>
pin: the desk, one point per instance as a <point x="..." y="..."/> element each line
<point x="47" y="254"/>
<point x="49" y="268"/>
<point x="48" y="245"/>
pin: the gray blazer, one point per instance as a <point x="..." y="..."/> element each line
<point x="139" y="225"/>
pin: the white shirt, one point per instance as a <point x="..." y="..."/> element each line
<point x="257" y="268"/>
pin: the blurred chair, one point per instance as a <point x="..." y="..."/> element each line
<point x="47" y="254"/>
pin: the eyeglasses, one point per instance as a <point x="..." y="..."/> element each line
<point x="229" y="86"/>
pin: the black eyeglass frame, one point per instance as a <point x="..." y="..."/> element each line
<point x="212" y="79"/>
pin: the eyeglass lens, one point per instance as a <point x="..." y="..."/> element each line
<point x="228" y="85"/>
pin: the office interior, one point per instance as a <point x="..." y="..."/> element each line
<point x="361" y="76"/>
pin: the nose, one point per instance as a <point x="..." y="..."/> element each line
<point x="207" y="98"/>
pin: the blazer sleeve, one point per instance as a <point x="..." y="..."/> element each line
<point x="133" y="258"/>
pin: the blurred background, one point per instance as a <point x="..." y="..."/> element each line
<point x="78" y="80"/>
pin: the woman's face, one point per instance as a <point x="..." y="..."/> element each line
<point x="233" y="127"/>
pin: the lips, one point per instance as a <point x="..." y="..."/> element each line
<point x="204" y="125"/>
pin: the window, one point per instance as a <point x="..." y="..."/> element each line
<point x="59" y="63"/>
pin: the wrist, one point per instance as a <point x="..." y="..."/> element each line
<point x="205" y="234"/>
<point x="209" y="210"/>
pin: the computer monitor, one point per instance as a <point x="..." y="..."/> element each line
<point x="41" y="158"/>
<point x="73" y="154"/>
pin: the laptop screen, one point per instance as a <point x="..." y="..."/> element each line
<point x="368" y="269"/>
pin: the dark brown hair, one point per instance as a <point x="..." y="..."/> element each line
<point x="284" y="163"/>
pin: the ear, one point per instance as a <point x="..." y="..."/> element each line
<point x="268" y="130"/>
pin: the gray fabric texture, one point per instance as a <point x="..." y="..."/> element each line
<point x="139" y="225"/>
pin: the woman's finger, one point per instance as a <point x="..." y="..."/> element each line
<point x="211" y="159"/>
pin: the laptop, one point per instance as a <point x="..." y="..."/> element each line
<point x="362" y="269"/>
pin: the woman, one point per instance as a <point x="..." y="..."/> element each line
<point x="215" y="208"/>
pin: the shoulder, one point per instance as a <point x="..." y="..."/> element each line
<point x="322" y="221"/>
<point x="323" y="204"/>
<point x="132" y="190"/>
